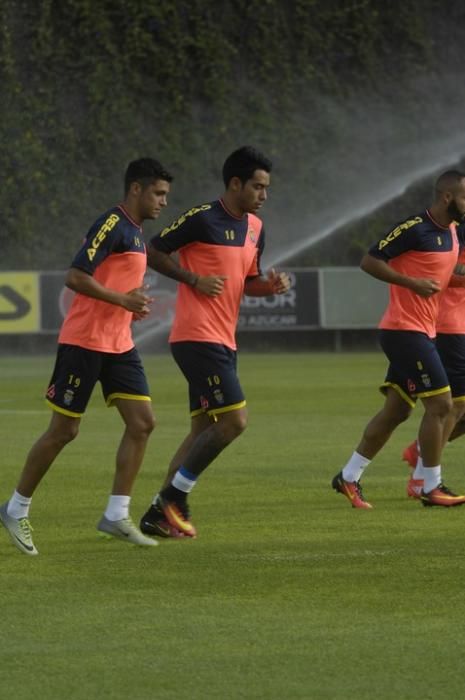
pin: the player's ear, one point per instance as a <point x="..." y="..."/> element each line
<point x="235" y="184"/>
<point x="135" y="188"/>
<point x="448" y="196"/>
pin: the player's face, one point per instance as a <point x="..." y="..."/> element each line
<point x="253" y="193"/>
<point x="152" y="199"/>
<point x="456" y="206"/>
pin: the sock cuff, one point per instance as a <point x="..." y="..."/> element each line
<point x="187" y="474"/>
<point x="183" y="480"/>
<point x="364" y="461"/>
<point x="19" y="498"/>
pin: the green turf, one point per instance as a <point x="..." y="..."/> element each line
<point x="287" y="592"/>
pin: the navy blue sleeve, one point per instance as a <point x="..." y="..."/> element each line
<point x="187" y="229"/>
<point x="402" y="238"/>
<point x="103" y="238"/>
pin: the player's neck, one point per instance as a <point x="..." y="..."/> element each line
<point x="133" y="211"/>
<point x="440" y="215"/>
<point x="231" y="206"/>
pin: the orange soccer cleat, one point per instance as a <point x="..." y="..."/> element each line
<point x="352" y="490"/>
<point x="154" y="522"/>
<point x="414" y="488"/>
<point x="441" y="496"/>
<point x="178" y="516"/>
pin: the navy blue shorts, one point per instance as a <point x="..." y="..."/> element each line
<point x="451" y="349"/>
<point x="415" y="368"/>
<point x="211" y="372"/>
<point x="77" y="370"/>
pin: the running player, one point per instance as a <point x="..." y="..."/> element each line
<point x="219" y="244"/>
<point x="95" y="344"/>
<point x="450" y="342"/>
<point x="417" y="260"/>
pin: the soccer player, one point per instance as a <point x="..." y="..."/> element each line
<point x="417" y="259"/>
<point x="219" y="244"/>
<point x="95" y="344"/>
<point x="450" y="342"/>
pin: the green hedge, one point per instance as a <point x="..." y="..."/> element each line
<point x="87" y="86"/>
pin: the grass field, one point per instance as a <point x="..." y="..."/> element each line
<point x="287" y="592"/>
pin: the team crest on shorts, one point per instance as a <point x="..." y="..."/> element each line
<point x="425" y="378"/>
<point x="219" y="396"/>
<point x="411" y="386"/>
<point x="204" y="403"/>
<point x="68" y="397"/>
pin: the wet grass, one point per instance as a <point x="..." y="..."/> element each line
<point x="286" y="593"/>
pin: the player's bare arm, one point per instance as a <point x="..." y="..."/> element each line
<point x="135" y="300"/>
<point x="165" y="264"/>
<point x="273" y="283"/>
<point x="384" y="272"/>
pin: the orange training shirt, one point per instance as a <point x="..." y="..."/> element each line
<point x="212" y="241"/>
<point x="114" y="253"/>
<point x="418" y="247"/>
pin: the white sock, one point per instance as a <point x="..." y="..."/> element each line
<point x="418" y="472"/>
<point x="184" y="480"/>
<point x="432" y="477"/>
<point x="118" y="507"/>
<point x="18" y="506"/>
<point x="355" y="467"/>
<point x="155" y="499"/>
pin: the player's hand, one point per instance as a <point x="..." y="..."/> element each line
<point x="211" y="285"/>
<point x="279" y="281"/>
<point x="424" y="287"/>
<point x="139" y="316"/>
<point x="137" y="301"/>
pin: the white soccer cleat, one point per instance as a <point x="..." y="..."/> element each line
<point x="19" y="531"/>
<point x="124" y="530"/>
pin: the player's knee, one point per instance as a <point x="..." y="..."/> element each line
<point x="66" y="434"/>
<point x="391" y="419"/>
<point x="241" y="424"/>
<point x="143" y="426"/>
<point x="441" y="407"/>
<point x="393" y="423"/>
<point x="150" y="424"/>
<point x="403" y="414"/>
<point x="234" y="427"/>
<point x="141" y="430"/>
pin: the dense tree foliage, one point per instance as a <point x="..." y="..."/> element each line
<point x="88" y="85"/>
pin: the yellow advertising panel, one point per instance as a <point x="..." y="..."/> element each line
<point x="19" y="302"/>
